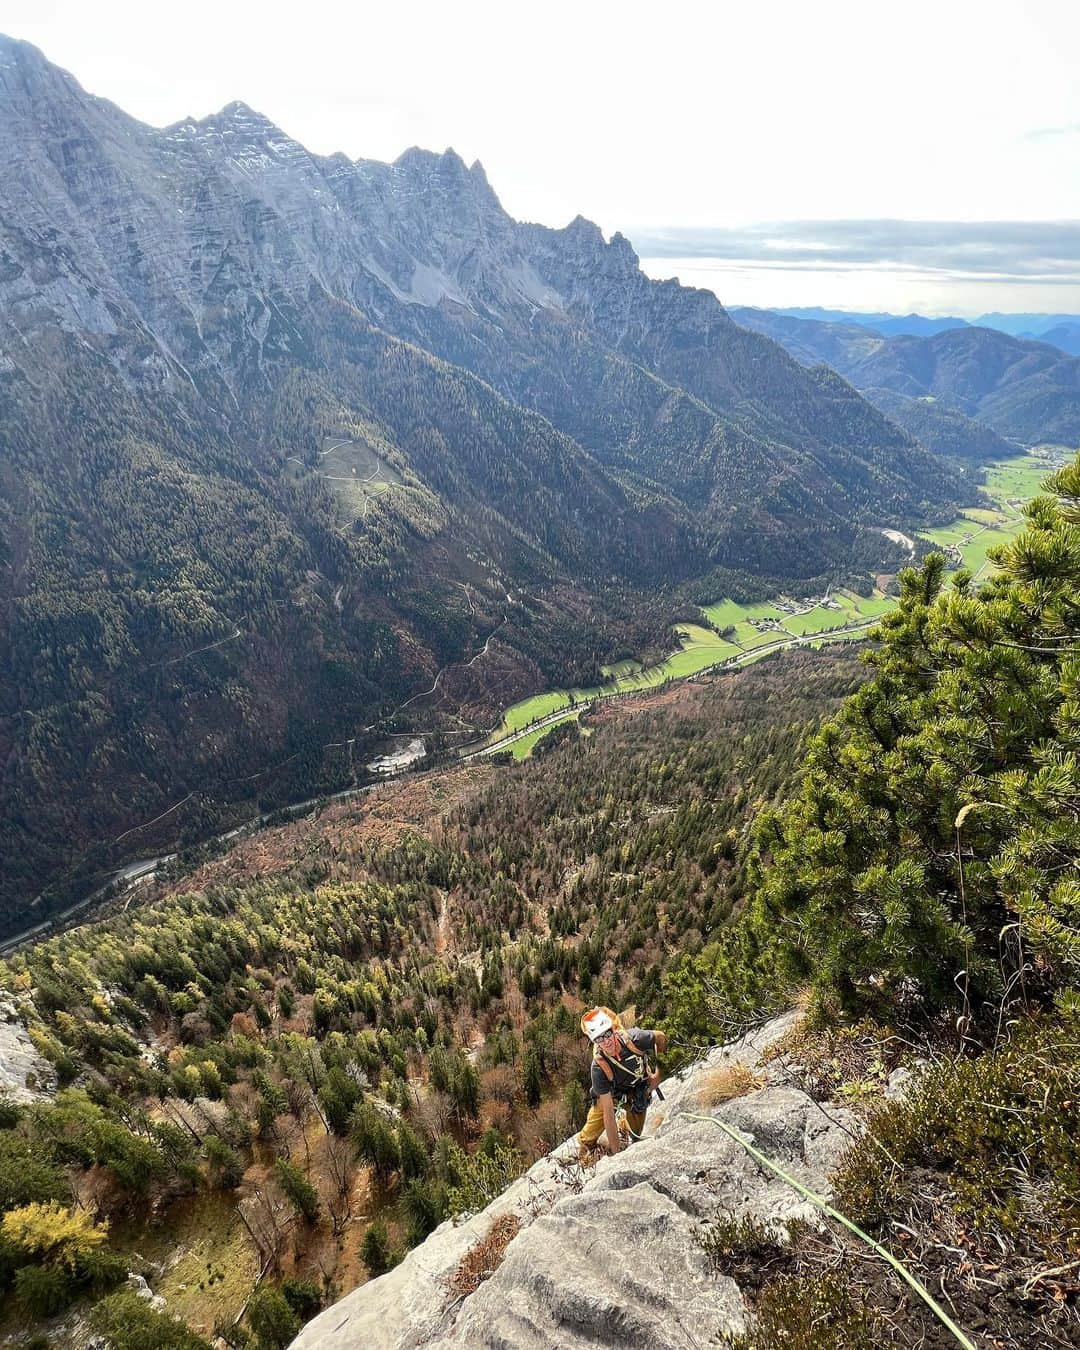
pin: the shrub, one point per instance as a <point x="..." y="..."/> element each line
<point x="302" y="1296"/>
<point x="810" y="1313"/>
<point x="44" y="1290"/>
<point x="271" y="1319"/>
<point x="128" y="1322"/>
<point x="483" y="1259"/>
<point x="375" y="1250"/>
<point x="483" y="1175"/>
<point x="1000" y="1130"/>
<point x="226" y="1166"/>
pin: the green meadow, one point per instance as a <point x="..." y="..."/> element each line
<point x="973" y="534"/>
<point x="523" y="747"/>
<point x="700" y="649"/>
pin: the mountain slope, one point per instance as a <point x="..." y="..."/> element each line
<point x="888" y="325"/>
<point x="195" y="610"/>
<point x="1025" y="391"/>
<point x="1063" y="335"/>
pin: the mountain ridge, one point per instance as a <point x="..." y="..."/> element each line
<point x="189" y="314"/>
<point x="1026" y="391"/>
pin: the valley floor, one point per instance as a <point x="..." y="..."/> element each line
<point x="738" y="634"/>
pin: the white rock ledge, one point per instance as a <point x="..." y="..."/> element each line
<point x="609" y="1255"/>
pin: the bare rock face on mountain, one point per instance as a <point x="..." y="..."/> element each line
<point x="24" y="1074"/>
<point x="612" y="1252"/>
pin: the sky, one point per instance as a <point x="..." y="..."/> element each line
<point x="779" y="153"/>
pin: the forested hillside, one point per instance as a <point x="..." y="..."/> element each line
<point x="371" y="1014"/>
<point x="205" y="608"/>
<point x="1026" y="391"/>
<point x="375" y="1012"/>
<point x="922" y="889"/>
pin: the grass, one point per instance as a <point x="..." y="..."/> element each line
<point x="523" y="748"/>
<point x="816" y="620"/>
<point x="972" y="533"/>
<point x="531" y="710"/>
<point x="748" y="637"/>
<point x="724" y="1082"/>
<point x="355" y="473"/>
<point x="978" y="529"/>
<point x="1017" y="479"/>
<point x="726" y="612"/>
<point x="215" y="1265"/>
<point x="700" y="649"/>
<point x="865" y="606"/>
<point x="483" y="1259"/>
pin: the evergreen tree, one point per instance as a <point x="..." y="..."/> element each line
<point x="414" y="1157"/>
<point x="299" y="1191"/>
<point x="375" y="1139"/>
<point x="375" y="1249"/>
<point x="939" y="811"/>
<point x="271" y="1319"/>
<point x="532" y="1076"/>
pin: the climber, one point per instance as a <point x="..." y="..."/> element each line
<point x="620" y="1073"/>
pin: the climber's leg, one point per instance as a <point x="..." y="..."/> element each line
<point x="593" y="1127"/>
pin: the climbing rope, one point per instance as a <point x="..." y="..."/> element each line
<point x="826" y="1208"/>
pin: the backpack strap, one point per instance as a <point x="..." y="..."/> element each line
<point x="608" y="1065"/>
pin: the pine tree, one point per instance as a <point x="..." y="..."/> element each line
<point x="938" y="812"/>
<point x="414" y="1157"/>
<point x="299" y="1191"/>
<point x="532" y="1076"/>
<point x="375" y="1249"/>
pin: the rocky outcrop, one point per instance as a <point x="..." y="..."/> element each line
<point x="611" y="1254"/>
<point x="24" y="1074"/>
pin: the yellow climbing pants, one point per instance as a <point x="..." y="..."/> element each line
<point x="594" y="1124"/>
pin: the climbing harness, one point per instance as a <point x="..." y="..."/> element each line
<point x="826" y="1208"/>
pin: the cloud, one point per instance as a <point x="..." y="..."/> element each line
<point x="1031" y="251"/>
<point x="1052" y="133"/>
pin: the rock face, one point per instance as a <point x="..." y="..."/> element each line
<point x="611" y="1254"/>
<point x="24" y="1074"/>
<point x="194" y="254"/>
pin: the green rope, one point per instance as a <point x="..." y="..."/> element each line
<point x="826" y="1208"/>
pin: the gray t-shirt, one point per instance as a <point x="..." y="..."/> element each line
<point x="623" y="1080"/>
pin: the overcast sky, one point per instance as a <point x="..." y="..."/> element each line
<point x="656" y="119"/>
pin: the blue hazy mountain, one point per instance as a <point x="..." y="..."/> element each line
<point x="1060" y="330"/>
<point x="888" y="325"/>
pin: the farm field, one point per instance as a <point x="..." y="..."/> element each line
<point x="864" y="606"/>
<point x="1017" y="479"/>
<point x="726" y="612"/>
<point x="817" y="620"/>
<point x="973" y="533"/>
<point x="523" y="748"/>
<point x="700" y="648"/>
<point x="980" y="528"/>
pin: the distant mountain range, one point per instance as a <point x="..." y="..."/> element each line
<point x="1060" y="330"/>
<point x="288" y="440"/>
<point x="980" y="380"/>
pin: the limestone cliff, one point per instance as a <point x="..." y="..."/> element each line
<point x="611" y="1253"/>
